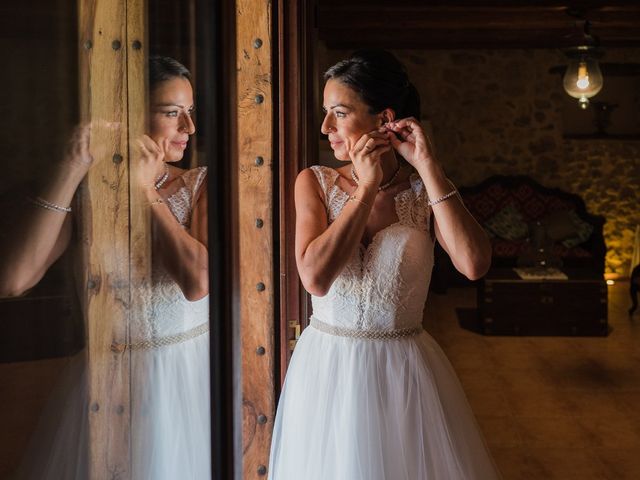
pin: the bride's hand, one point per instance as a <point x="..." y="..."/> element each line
<point x="365" y="155"/>
<point x="82" y="147"/>
<point x="414" y="145"/>
<point x="151" y="165"/>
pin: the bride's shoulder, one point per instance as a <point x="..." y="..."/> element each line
<point x="193" y="178"/>
<point x="320" y="175"/>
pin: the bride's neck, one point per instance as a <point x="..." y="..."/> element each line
<point x="390" y="164"/>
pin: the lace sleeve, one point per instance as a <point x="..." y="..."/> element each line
<point x="413" y="208"/>
<point x="334" y="198"/>
<point x="181" y="203"/>
<point x="194" y="178"/>
<point x="320" y="174"/>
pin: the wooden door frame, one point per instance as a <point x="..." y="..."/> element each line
<point x="297" y="144"/>
<point x="216" y="23"/>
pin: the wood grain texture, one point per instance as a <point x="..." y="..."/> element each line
<point x="256" y="252"/>
<point x="113" y="260"/>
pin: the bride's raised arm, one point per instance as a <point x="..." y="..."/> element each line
<point x="457" y="231"/>
<point x="322" y="250"/>
<point x="41" y="230"/>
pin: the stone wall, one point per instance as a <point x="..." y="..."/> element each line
<point x="500" y="112"/>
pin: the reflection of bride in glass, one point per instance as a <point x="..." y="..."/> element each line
<point x="170" y="419"/>
<point x="369" y="395"/>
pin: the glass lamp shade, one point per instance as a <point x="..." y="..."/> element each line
<point x="583" y="79"/>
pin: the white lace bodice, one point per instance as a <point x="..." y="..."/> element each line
<point x="383" y="286"/>
<point x="172" y="313"/>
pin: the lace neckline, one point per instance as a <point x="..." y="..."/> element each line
<point x="397" y="199"/>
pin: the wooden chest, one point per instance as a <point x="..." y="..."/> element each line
<point x="508" y="305"/>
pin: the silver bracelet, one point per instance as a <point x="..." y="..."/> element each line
<point x="353" y="198"/>
<point x="163" y="178"/>
<point x="42" y="203"/>
<point x="431" y="203"/>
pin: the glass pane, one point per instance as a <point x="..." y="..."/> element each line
<point x="150" y="360"/>
<point x="41" y="331"/>
<point x="170" y="370"/>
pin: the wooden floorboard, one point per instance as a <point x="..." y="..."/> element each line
<point x="550" y="407"/>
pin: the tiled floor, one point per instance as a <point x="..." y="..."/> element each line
<point x="551" y="407"/>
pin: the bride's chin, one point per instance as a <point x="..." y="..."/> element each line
<point x="173" y="158"/>
<point x="342" y="156"/>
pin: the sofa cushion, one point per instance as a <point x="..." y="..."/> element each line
<point x="583" y="232"/>
<point x="508" y="223"/>
<point x="567" y="227"/>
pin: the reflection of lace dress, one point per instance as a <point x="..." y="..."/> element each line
<point x="369" y="395"/>
<point x="170" y="421"/>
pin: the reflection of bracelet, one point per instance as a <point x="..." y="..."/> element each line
<point x="156" y="201"/>
<point x="162" y="179"/>
<point x="353" y="198"/>
<point x="431" y="203"/>
<point x="42" y="203"/>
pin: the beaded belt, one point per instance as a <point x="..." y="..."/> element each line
<point x="163" y="341"/>
<point x="367" y="334"/>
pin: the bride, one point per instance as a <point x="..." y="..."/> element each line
<point x="369" y="395"/>
<point x="170" y="419"/>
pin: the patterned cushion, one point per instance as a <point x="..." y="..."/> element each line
<point x="583" y="231"/>
<point x="508" y="223"/>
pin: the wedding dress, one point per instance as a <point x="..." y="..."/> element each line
<point x="170" y="407"/>
<point x="369" y="395"/>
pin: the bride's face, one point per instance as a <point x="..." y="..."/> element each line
<point x="346" y="118"/>
<point x="171" y="110"/>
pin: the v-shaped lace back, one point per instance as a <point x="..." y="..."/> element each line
<point x="383" y="286"/>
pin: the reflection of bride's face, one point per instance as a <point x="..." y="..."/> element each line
<point x="346" y="119"/>
<point x="171" y="110"/>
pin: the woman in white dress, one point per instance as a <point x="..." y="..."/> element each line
<point x="369" y="395"/>
<point x="170" y="419"/>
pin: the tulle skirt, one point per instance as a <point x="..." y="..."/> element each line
<point x="170" y="421"/>
<point x="362" y="409"/>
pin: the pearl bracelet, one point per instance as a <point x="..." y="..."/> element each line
<point x="353" y="198"/>
<point x="42" y="203"/>
<point x="162" y="179"/>
<point x="444" y="197"/>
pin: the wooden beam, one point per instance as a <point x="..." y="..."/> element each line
<point x="115" y="223"/>
<point x="105" y="234"/>
<point x="461" y="24"/>
<point x="255" y="230"/>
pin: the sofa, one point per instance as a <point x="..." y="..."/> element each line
<point x="521" y="215"/>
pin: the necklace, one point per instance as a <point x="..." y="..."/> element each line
<point x="163" y="178"/>
<point x="354" y="175"/>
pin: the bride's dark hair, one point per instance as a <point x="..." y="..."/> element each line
<point x="380" y="80"/>
<point x="162" y="69"/>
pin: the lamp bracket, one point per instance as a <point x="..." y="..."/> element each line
<point x="583" y="51"/>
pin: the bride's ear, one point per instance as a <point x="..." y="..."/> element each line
<point x="387" y="115"/>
